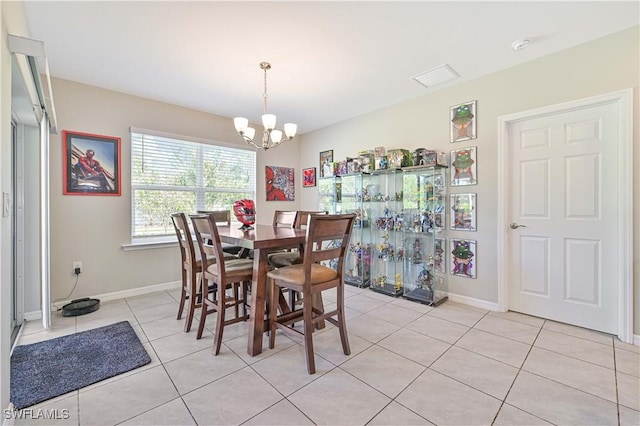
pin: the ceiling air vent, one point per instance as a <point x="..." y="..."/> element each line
<point x="435" y="76"/>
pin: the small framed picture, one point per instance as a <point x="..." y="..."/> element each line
<point x="463" y="253"/>
<point x="462" y="122"/>
<point x="91" y="164"/>
<point x="463" y="167"/>
<point x="464" y="212"/>
<point x="309" y="177"/>
<point x="326" y="163"/>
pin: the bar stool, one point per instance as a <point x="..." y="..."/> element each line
<point x="311" y="278"/>
<point x="234" y="274"/>
<point x="191" y="267"/>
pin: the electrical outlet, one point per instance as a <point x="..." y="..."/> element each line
<point x="77" y="265"/>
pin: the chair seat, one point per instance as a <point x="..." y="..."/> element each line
<point x="234" y="267"/>
<point x="295" y="274"/>
<point x="227" y="256"/>
<point x="282" y="259"/>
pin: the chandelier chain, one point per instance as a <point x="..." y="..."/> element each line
<point x="264" y="95"/>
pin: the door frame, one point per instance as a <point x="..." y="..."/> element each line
<point x="17" y="228"/>
<point x="623" y="99"/>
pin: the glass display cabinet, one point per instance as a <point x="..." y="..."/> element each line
<point x="424" y="223"/>
<point x="329" y="194"/>
<point x="357" y="266"/>
<point x="385" y="206"/>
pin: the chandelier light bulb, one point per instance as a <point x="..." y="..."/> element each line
<point x="276" y="136"/>
<point x="290" y="129"/>
<point x="241" y="124"/>
<point x="249" y="132"/>
<point x="269" y="121"/>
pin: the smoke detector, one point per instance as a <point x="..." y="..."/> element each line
<point x="520" y="44"/>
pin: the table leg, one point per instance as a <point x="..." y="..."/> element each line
<point x="258" y="325"/>
<point x="258" y="301"/>
<point x="317" y="302"/>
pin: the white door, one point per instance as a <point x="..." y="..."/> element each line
<point x="563" y="216"/>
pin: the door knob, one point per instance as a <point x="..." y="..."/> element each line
<point x="514" y="225"/>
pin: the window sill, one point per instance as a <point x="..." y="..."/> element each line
<point x="149" y="244"/>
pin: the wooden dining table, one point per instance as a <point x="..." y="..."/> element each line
<point x="262" y="239"/>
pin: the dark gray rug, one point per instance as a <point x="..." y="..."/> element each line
<point x="44" y="370"/>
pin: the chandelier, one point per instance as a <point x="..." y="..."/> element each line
<point x="271" y="137"/>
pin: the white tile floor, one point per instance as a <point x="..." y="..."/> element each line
<point x="410" y="365"/>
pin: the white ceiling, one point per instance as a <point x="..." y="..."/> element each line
<point x="331" y="60"/>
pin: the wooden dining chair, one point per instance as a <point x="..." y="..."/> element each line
<point x="223" y="218"/>
<point x="311" y="278"/>
<point x="284" y="218"/>
<point x="298" y="221"/>
<point x="293" y="257"/>
<point x="191" y="267"/>
<point x="233" y="274"/>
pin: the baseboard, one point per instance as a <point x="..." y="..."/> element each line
<point x="33" y="315"/>
<point x="478" y="303"/>
<point x="636" y="339"/>
<point x="139" y="291"/>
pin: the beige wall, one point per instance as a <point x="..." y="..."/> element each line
<point x="605" y="65"/>
<point x="93" y="229"/>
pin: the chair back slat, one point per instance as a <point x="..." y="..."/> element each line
<point x="221" y="217"/>
<point x="284" y="219"/>
<point x="206" y="230"/>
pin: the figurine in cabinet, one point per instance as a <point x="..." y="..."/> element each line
<point x="385" y="249"/>
<point x="426" y="221"/>
<point x="425" y="282"/>
<point x="366" y="193"/>
<point x="424" y="278"/>
<point x="417" y="251"/>
<point x="417" y="227"/>
<point x="380" y="280"/>
<point x="398" y="223"/>
<point x="361" y="219"/>
<point x="361" y="260"/>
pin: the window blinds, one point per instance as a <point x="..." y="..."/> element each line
<point x="174" y="175"/>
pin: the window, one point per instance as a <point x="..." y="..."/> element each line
<point x="176" y="175"/>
